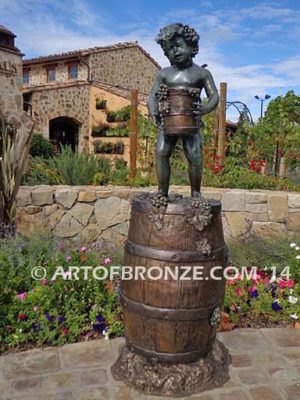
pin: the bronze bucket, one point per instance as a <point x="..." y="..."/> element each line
<point x="173" y="320"/>
<point x="180" y="120"/>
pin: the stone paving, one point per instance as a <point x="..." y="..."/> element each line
<point x="265" y="366"/>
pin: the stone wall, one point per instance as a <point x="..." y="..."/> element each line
<point x="11" y="100"/>
<point x="101" y="214"/>
<point x="38" y="74"/>
<point x="128" y="67"/>
<point x="72" y="101"/>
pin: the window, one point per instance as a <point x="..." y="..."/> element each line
<point x="73" y="71"/>
<point x="51" y="74"/>
<point x="26" y="77"/>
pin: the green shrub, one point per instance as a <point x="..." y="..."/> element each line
<point x="234" y="175"/>
<point x="42" y="172"/>
<point x="77" y="169"/>
<point x="41" y="147"/>
<point x="119" y="175"/>
<point x="102" y="178"/>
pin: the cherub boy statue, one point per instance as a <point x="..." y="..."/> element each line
<point x="183" y="82"/>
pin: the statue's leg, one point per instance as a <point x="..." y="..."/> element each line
<point x="192" y="148"/>
<point x="164" y="147"/>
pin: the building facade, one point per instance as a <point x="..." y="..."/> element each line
<point x="61" y="91"/>
<point x="11" y="100"/>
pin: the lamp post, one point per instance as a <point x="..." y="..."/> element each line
<point x="267" y="96"/>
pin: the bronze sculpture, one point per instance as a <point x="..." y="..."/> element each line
<point x="183" y="78"/>
<point x="171" y="324"/>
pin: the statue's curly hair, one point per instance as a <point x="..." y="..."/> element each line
<point x="189" y="34"/>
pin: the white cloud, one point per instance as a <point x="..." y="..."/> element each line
<point x="45" y="27"/>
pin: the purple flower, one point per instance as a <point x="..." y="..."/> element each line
<point x="48" y="316"/>
<point x="253" y="293"/>
<point x="100" y="319"/>
<point x="99" y="328"/>
<point x="60" y="319"/>
<point x="276" y="307"/>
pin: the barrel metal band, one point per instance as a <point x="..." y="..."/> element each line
<point x="180" y="111"/>
<point x="169" y="357"/>
<point x="173" y="256"/>
<point x="168" y="314"/>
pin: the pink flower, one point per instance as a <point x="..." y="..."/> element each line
<point x="231" y="282"/>
<point x="238" y="291"/>
<point x="22" y="296"/>
<point x="67" y="275"/>
<point x="282" y="283"/>
<point x="44" y="281"/>
<point x="68" y="258"/>
<point x="290" y="283"/>
<point x="256" y="278"/>
<point x="266" y="280"/>
<point x="83" y="248"/>
<point x="107" y="261"/>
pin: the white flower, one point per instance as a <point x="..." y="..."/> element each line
<point x="105" y="334"/>
<point x="293" y="245"/>
<point x="293" y="300"/>
<point x="297" y="248"/>
<point x="298" y="257"/>
<point x="294" y="316"/>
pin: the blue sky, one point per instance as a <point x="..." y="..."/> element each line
<point x="254" y="46"/>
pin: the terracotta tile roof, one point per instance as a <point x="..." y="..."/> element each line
<point x="86" y="52"/>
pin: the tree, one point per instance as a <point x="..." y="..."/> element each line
<point x="278" y="132"/>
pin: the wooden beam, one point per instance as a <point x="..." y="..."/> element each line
<point x="222" y="120"/>
<point x="133" y="132"/>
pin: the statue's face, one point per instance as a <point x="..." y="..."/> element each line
<point x="179" y="52"/>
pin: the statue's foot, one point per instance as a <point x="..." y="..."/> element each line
<point x="198" y="196"/>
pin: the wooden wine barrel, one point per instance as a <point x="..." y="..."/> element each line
<point x="180" y="120"/>
<point x="172" y="320"/>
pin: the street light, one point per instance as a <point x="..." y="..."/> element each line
<point x="267" y="96"/>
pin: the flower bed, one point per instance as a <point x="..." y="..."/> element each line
<point x="44" y="302"/>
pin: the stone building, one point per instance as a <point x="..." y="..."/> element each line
<point x="11" y="101"/>
<point x="61" y="91"/>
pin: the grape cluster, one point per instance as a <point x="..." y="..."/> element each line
<point x="162" y="92"/>
<point x="194" y="92"/>
<point x="158" y="200"/>
<point x="190" y="34"/>
<point x="164" y="107"/>
<point x="199" y="202"/>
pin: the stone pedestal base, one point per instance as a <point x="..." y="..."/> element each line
<point x="165" y="379"/>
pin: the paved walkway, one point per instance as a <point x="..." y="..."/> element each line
<point x="265" y="366"/>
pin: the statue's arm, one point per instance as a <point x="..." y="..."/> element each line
<point x="152" y="100"/>
<point x="211" y="93"/>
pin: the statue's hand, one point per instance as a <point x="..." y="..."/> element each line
<point x="200" y="109"/>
